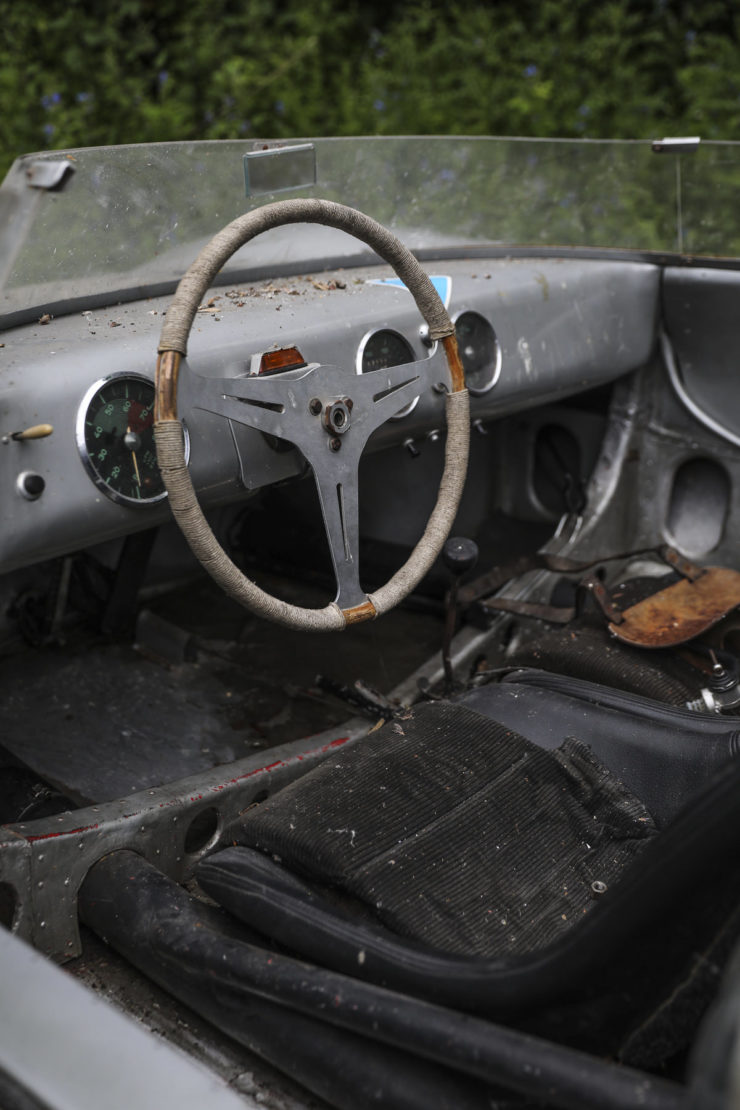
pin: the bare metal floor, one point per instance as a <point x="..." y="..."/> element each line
<point x="101" y="720"/>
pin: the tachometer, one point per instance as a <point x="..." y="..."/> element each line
<point x="480" y="352"/>
<point x="380" y="349"/>
<point x="115" y="437"/>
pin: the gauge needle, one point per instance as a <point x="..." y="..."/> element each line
<point x="133" y="456"/>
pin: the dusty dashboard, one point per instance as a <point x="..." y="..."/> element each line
<point x="530" y="331"/>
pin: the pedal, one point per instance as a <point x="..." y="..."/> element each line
<point x="681" y="611"/>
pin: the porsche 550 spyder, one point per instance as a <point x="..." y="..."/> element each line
<point x="370" y="652"/>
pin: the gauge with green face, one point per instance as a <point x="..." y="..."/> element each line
<point x="115" y="437"/>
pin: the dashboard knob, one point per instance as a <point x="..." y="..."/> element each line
<point x="460" y="555"/>
<point x="30" y="485"/>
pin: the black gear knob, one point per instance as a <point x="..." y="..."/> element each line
<point x="459" y="555"/>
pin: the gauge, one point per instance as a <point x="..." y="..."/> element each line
<point x="381" y="349"/>
<point x="115" y="437"/>
<point x="480" y="352"/>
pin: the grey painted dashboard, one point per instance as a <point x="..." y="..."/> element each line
<point x="563" y="326"/>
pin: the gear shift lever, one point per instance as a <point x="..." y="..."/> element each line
<point x="459" y="556"/>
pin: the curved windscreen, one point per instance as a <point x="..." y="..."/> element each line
<point x="129" y="220"/>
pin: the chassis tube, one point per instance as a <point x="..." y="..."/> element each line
<point x="155" y="925"/>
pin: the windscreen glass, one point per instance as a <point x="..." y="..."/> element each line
<point x="129" y="220"/>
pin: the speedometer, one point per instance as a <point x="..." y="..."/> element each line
<point x="115" y="437"/>
<point x="384" y="348"/>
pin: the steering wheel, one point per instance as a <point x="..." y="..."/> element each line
<point x="328" y="412"/>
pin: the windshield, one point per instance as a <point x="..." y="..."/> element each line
<point x="129" y="220"/>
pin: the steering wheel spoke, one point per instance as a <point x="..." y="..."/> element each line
<point x="385" y="392"/>
<point x="336" y="484"/>
<point x="259" y="402"/>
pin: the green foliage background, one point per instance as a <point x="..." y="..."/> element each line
<point x="78" y="73"/>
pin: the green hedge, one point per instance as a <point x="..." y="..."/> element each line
<point x="151" y="71"/>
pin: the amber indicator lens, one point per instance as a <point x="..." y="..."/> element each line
<point x="287" y="358"/>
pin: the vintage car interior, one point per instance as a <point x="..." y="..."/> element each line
<point x="370" y="649"/>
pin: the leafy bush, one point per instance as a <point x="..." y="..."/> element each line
<point x="158" y="70"/>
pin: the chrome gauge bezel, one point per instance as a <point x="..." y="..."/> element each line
<point x="479" y="391"/>
<point x="97" y="479"/>
<point x="361" y="352"/>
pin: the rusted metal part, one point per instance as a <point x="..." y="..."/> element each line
<point x="672" y="616"/>
<point x="553" y="614"/>
<point x="557" y="614"/>
<point x="603" y="599"/>
<point x="493" y="579"/>
<point x="559" y="564"/>
<point x="165" y="385"/>
<point x="364" y="612"/>
<point x="457" y="373"/>
<point x="680" y="611"/>
<point x="680" y="564"/>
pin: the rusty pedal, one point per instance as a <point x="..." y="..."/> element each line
<point x="681" y="611"/>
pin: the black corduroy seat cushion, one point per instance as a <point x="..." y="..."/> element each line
<point x="456" y="831"/>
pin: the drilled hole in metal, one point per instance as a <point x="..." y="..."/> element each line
<point x="8" y="905"/>
<point x="201" y="830"/>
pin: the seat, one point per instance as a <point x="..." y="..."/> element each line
<point x="467" y="906"/>
<point x="488" y="852"/>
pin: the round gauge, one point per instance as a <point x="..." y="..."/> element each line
<point x="381" y="349"/>
<point x="480" y="352"/>
<point x="115" y="437"/>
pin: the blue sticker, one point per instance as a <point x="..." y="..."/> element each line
<point x="442" y="284"/>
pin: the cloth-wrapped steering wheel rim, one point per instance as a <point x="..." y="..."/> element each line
<point x="168" y="430"/>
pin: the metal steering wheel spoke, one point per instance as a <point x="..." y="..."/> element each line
<point x="337" y="487"/>
<point x="383" y="393"/>
<point x="269" y="404"/>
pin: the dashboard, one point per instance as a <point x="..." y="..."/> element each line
<point x="77" y="462"/>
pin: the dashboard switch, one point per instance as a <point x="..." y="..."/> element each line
<point x="38" y="431"/>
<point x="30" y="485"/>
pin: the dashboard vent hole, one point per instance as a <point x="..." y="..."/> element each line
<point x="698" y="508"/>
<point x="558" y="470"/>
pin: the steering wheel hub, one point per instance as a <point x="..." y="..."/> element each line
<point x="337" y="418"/>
